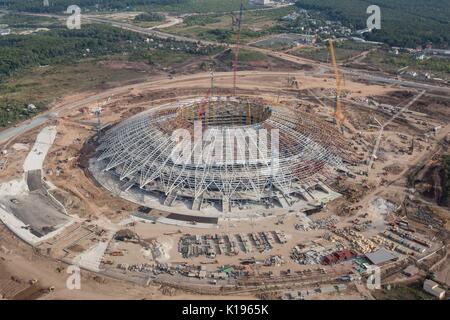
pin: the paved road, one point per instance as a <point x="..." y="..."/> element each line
<point x="57" y="112"/>
<point x="364" y="75"/>
<point x="26" y="126"/>
<point x="147" y="31"/>
<point x="154" y="84"/>
<point x="172" y="21"/>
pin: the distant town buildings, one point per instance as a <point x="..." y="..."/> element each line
<point x="420" y="57"/>
<point x="31" y="107"/>
<point x="4" y="30"/>
<point x="291" y="16"/>
<point x="411" y="271"/>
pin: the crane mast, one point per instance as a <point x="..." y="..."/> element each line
<point x="338" y="107"/>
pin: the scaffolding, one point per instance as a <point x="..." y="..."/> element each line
<point x="275" y="152"/>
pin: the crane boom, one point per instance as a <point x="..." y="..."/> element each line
<point x="338" y="107"/>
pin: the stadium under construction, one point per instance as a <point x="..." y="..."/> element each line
<point x="253" y="156"/>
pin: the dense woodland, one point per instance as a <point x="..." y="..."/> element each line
<point x="14" y="20"/>
<point x="59" y="6"/>
<point x="64" y="45"/>
<point x="406" y="23"/>
<point x="22" y="53"/>
<point x="149" y="16"/>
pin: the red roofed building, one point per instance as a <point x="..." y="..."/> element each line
<point x="339" y="256"/>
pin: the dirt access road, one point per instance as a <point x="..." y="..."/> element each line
<point x="397" y="183"/>
<point x="281" y="55"/>
<point x="195" y="80"/>
<point x="18" y="261"/>
<point x="362" y="75"/>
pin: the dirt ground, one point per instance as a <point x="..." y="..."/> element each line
<point x="87" y="200"/>
<point x="19" y="264"/>
<point x="76" y="126"/>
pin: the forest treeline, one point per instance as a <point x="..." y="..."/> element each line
<point x="405" y="23"/>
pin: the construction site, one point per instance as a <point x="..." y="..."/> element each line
<point x="136" y="156"/>
<point x="344" y="179"/>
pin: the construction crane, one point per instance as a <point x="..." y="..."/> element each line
<point x="238" y="24"/>
<point x="337" y="107"/>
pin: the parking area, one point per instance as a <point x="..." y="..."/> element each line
<point x="36" y="211"/>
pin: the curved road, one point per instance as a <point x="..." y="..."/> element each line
<point x="27" y="125"/>
<point x="363" y="75"/>
<point x="58" y="111"/>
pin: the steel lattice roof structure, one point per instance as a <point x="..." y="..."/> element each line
<point x="298" y="152"/>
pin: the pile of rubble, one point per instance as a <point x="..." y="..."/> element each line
<point x="324" y="223"/>
<point x="276" y="260"/>
<point x="311" y="254"/>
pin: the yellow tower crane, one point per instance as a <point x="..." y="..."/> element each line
<point x="338" y="107"/>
